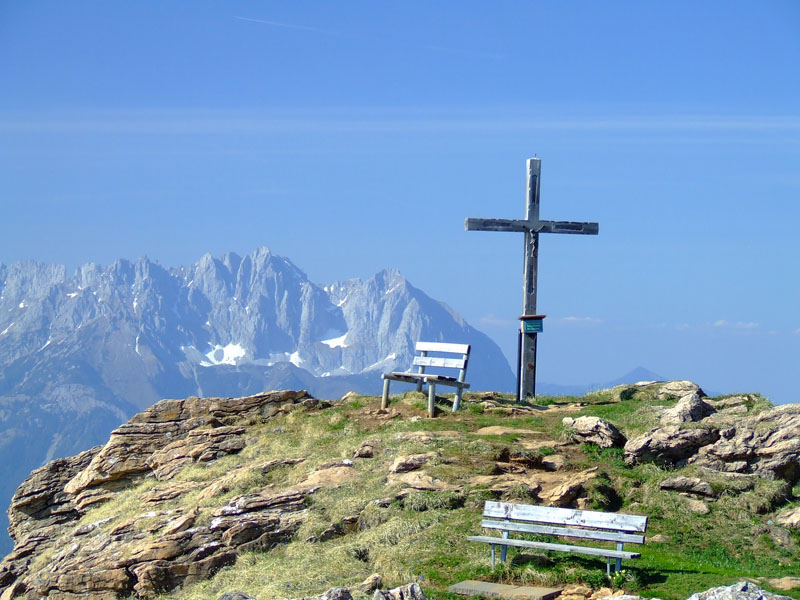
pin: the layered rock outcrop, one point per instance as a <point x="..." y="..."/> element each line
<point x="595" y="430"/>
<point x="670" y="445"/>
<point x="766" y="444"/>
<point x="117" y="555"/>
<point x="690" y="408"/>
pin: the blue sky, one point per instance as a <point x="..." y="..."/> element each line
<point x="356" y="136"/>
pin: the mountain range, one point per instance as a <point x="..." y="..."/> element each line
<point x="81" y="353"/>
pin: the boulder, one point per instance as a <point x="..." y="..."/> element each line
<point x="371" y="583"/>
<point x="577" y="589"/>
<point x="366" y="450"/>
<point x="564" y="494"/>
<point x="789" y="518"/>
<point x="235" y="596"/>
<point x="427" y="437"/>
<point x="730" y="401"/>
<point x="502" y="430"/>
<point x="554" y="462"/>
<point x="509" y="467"/>
<point x="728" y="410"/>
<point x="413" y="462"/>
<point x="767" y="444"/>
<point x="784" y="583"/>
<point x="689" y="409"/>
<point x="744" y="590"/>
<point x="595" y="430"/>
<point x="335" y="593"/>
<point x="411" y="591"/>
<point x="697" y="506"/>
<point x="670" y="445"/>
<point x="621" y="596"/>
<point x="678" y="389"/>
<point x="688" y="485"/>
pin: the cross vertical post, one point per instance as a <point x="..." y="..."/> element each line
<point x="526" y="383"/>
<point x="531" y="226"/>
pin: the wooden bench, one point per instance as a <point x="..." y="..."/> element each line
<point x="563" y="522"/>
<point x="423" y="361"/>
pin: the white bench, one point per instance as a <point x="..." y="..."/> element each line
<point x="423" y="361"/>
<point x="591" y="525"/>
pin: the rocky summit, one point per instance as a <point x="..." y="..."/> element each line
<point x="117" y="556"/>
<point x="280" y="495"/>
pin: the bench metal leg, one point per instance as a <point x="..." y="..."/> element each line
<point x="618" y="565"/>
<point x="608" y="568"/>
<point x="504" y="549"/>
<point x="492" y="545"/>
<point x="385" y="398"/>
<point x="457" y="399"/>
<point x="431" y="399"/>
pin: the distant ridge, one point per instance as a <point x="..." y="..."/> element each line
<point x="634" y="376"/>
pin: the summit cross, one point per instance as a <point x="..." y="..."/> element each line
<point x="531" y="226"/>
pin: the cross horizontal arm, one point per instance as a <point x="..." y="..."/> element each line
<point x="496" y="225"/>
<point x="566" y="227"/>
<point x="534" y="226"/>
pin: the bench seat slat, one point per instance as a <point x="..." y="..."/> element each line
<point x="591" y="534"/>
<point x="442" y="347"/>
<point x="565" y="516"/>
<point x="398" y="375"/>
<point x="558" y="547"/>
<point x="425" y="377"/>
<point x="439" y="361"/>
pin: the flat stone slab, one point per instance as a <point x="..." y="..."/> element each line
<point x="471" y="587"/>
<point x="501" y="430"/>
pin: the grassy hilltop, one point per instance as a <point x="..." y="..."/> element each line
<point x="368" y="520"/>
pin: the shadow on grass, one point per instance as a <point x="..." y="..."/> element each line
<point x="645" y="576"/>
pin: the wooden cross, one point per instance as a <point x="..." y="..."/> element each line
<point x="531" y="226"/>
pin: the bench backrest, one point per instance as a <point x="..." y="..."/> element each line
<point x="566" y="522"/>
<point x="422" y="360"/>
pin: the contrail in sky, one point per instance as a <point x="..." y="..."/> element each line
<point x="285" y="25"/>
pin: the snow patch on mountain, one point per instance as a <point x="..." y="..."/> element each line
<point x="337" y="342"/>
<point x="229" y="354"/>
